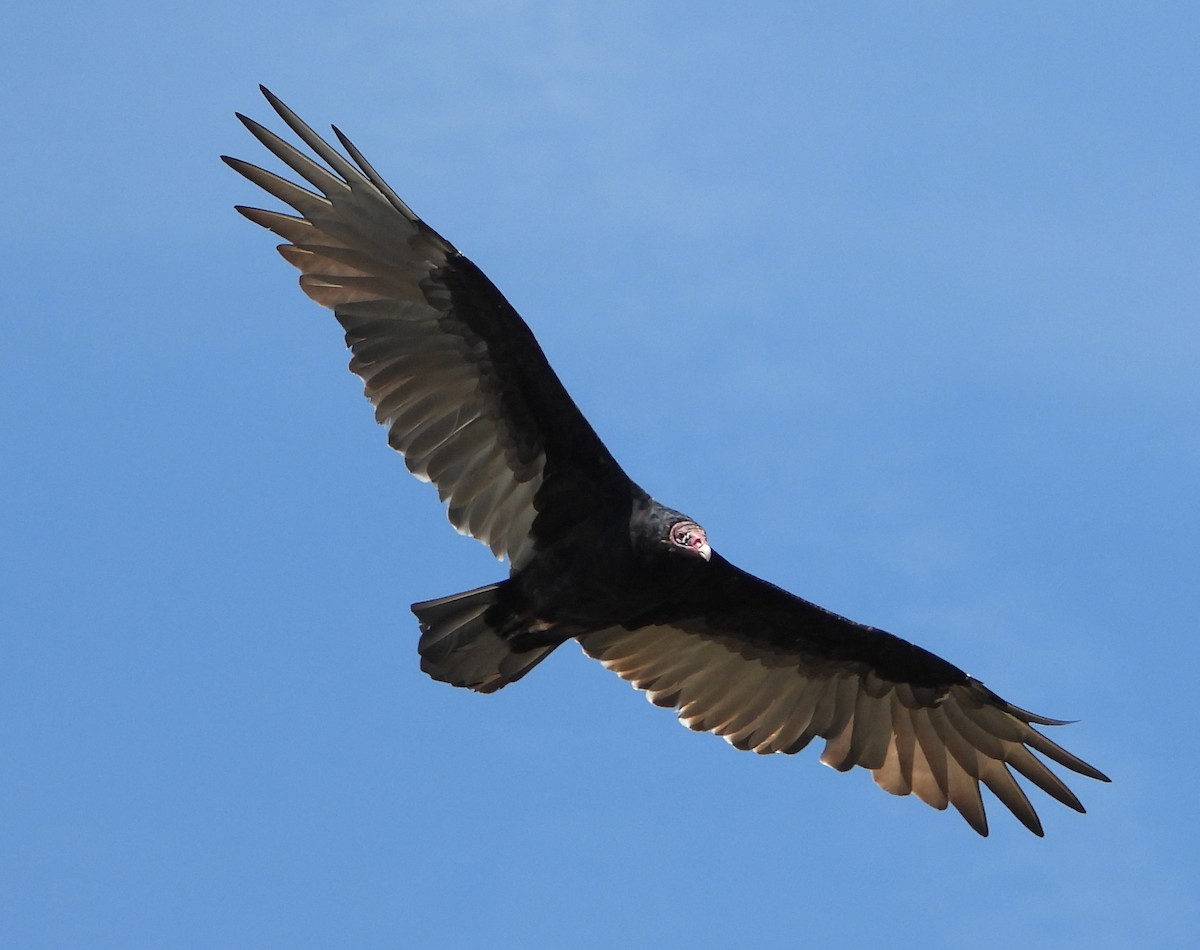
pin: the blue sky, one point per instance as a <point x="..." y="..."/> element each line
<point x="900" y="301"/>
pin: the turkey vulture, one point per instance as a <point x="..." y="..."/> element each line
<point x="471" y="403"/>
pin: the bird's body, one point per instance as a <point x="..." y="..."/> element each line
<point x="471" y="402"/>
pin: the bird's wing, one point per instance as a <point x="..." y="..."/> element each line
<point x="768" y="671"/>
<point x="451" y="368"/>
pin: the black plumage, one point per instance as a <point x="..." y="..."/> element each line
<point x="472" y="404"/>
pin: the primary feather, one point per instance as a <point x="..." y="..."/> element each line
<point x="470" y="401"/>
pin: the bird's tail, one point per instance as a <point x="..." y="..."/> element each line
<point x="471" y="640"/>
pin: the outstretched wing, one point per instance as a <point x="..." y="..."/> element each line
<point x="451" y="368"/>
<point x="770" y="672"/>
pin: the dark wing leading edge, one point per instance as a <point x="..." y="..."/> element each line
<point x="451" y="368"/>
<point x="746" y="660"/>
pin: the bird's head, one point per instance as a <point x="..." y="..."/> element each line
<point x="657" y="530"/>
<point x="688" y="538"/>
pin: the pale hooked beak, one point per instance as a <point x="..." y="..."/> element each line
<point x="704" y="550"/>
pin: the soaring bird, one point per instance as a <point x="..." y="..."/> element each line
<point x="470" y="401"/>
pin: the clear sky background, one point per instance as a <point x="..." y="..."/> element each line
<point x="899" y="300"/>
